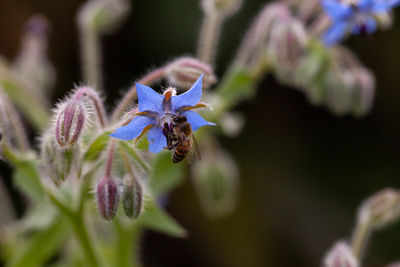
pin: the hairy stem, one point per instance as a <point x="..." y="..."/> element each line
<point x="127" y="244"/>
<point x="131" y="95"/>
<point x="78" y="224"/>
<point x="359" y="238"/>
<point x="91" y="56"/>
<point x="209" y="37"/>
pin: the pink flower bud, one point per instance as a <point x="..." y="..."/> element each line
<point x="340" y="255"/>
<point x="380" y="209"/>
<point x="107" y="196"/>
<point x="287" y="46"/>
<point x="69" y="123"/>
<point x="184" y="71"/>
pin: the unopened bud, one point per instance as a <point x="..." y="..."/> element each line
<point x="183" y="72"/>
<point x="340" y="255"/>
<point x="103" y="15"/>
<point x="32" y="62"/>
<point x="364" y="91"/>
<point x="257" y="37"/>
<point x="132" y="199"/>
<point x="216" y="182"/>
<point x="70" y="122"/>
<point x="226" y="7"/>
<point x="287" y="48"/>
<point x="59" y="164"/>
<point x="380" y="209"/>
<point x="107" y="196"/>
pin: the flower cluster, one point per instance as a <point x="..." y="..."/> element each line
<point x="355" y="17"/>
<point x="156" y="111"/>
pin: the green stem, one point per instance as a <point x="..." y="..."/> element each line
<point x="91" y="56"/>
<point x="209" y="37"/>
<point x="83" y="237"/>
<point x="75" y="218"/>
<point x="127" y="244"/>
<point x="359" y="238"/>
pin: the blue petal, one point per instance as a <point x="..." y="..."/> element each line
<point x="384" y="5"/>
<point x="148" y="99"/>
<point x="133" y="129"/>
<point x="190" y="98"/>
<point x="156" y="139"/>
<point x="336" y="10"/>
<point x="195" y="120"/>
<point x="366" y="5"/>
<point x="335" y="33"/>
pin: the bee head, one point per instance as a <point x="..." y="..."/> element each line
<point x="179" y="119"/>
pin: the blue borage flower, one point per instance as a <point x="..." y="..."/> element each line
<point x="155" y="110"/>
<point x="354" y="16"/>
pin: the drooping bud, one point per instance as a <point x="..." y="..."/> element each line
<point x="107" y="197"/>
<point x="70" y="121"/>
<point x="394" y="264"/>
<point x="380" y="209"/>
<point x="103" y="15"/>
<point x="32" y="62"/>
<point x="226" y="7"/>
<point x="132" y="198"/>
<point x="252" y="49"/>
<point x="11" y="128"/>
<point x="287" y="47"/>
<point x="349" y="86"/>
<point x="184" y="71"/>
<point x="216" y="182"/>
<point x="59" y="164"/>
<point x="340" y="255"/>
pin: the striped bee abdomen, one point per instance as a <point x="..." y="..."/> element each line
<point x="180" y="153"/>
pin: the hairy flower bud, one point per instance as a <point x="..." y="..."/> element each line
<point x="70" y="122"/>
<point x="380" y="209"/>
<point x="226" y="7"/>
<point x="59" y="164"/>
<point x="184" y="71"/>
<point x="340" y="255"/>
<point x="32" y="62"/>
<point x="216" y="182"/>
<point x="103" y="15"/>
<point x="252" y="48"/>
<point x="286" y="48"/>
<point x="394" y="264"/>
<point x="107" y="197"/>
<point x="132" y="198"/>
<point x="11" y="128"/>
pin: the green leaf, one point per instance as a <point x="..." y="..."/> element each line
<point x="236" y="86"/>
<point x="158" y="220"/>
<point x="30" y="104"/>
<point x="133" y="154"/>
<point x="41" y="246"/>
<point x="26" y="177"/>
<point x="166" y="174"/>
<point x="97" y="147"/>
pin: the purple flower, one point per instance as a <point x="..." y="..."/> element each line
<point x="156" y="110"/>
<point x="354" y="16"/>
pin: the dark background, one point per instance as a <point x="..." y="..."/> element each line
<point x="303" y="171"/>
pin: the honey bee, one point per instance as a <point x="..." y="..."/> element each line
<point x="180" y="138"/>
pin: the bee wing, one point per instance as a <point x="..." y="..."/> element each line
<point x="195" y="148"/>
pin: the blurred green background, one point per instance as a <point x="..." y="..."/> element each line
<point x="303" y="171"/>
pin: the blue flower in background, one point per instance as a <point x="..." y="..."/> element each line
<point x="155" y="110"/>
<point x="354" y="16"/>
